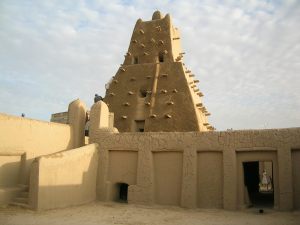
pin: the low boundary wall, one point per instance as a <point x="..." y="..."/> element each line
<point x="64" y="179"/>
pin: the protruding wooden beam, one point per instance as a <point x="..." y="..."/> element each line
<point x="163" y="91"/>
<point x="122" y="69"/>
<point x="128" y="53"/>
<point x="112" y="94"/>
<point x="126" y="104"/>
<point x="205" y="124"/>
<point x="196" y="90"/>
<point x="207" y="114"/>
<point x="165" y="75"/>
<point x="124" y="117"/>
<point x="145" y="53"/>
<point x="176" y="38"/>
<point x="170" y="103"/>
<point x="148" y="92"/>
<point x="188" y="71"/>
<point x="143" y="46"/>
<point x="132" y="78"/>
<point x="158" y="28"/>
<point x="165" y="52"/>
<point x="191" y="75"/>
<point x="199" y="104"/>
<point x="115" y="81"/>
<point x="134" y="41"/>
<point x="168" y="116"/>
<point x="142" y="32"/>
<point x="147" y="103"/>
<point x="161" y="41"/>
<point x="181" y="53"/>
<point x="175" y="91"/>
<point x="200" y="94"/>
<point x="196" y="81"/>
<point x="152" y="40"/>
<point x="153" y="115"/>
<point x="130" y="93"/>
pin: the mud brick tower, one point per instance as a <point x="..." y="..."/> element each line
<point x="153" y="91"/>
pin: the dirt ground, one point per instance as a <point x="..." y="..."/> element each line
<point x="122" y="213"/>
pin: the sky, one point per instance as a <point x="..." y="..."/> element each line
<point x="245" y="53"/>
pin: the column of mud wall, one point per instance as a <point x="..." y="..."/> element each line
<point x="76" y="118"/>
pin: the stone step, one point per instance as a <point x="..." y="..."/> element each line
<point x="21" y="200"/>
<point x="18" y="204"/>
<point x="24" y="194"/>
<point x="24" y="187"/>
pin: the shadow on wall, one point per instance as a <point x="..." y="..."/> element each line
<point x="10" y="167"/>
<point x="63" y="179"/>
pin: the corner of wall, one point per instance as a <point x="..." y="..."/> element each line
<point x="34" y="185"/>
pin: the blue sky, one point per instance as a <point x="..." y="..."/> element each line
<point x="245" y="54"/>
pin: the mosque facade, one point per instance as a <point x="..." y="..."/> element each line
<point x="158" y="148"/>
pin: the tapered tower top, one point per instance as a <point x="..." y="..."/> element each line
<point x="157" y="15"/>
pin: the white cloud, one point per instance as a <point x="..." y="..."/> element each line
<point x="245" y="54"/>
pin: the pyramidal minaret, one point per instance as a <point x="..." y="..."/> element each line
<point x="153" y="91"/>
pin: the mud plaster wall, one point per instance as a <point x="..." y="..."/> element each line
<point x="34" y="137"/>
<point x="9" y="167"/>
<point x="63" y="179"/>
<point x="228" y="142"/>
<point x="296" y="177"/>
<point x="125" y="172"/>
<point x="210" y="179"/>
<point x="167" y="177"/>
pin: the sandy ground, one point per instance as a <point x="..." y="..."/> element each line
<point x="122" y="213"/>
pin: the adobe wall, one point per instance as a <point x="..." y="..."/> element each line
<point x="34" y="137"/>
<point x="198" y="169"/>
<point x="23" y="139"/>
<point x="64" y="179"/>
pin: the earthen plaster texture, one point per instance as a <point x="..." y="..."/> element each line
<point x="202" y="155"/>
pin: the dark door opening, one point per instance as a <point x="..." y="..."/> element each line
<point x="123" y="191"/>
<point x="252" y="180"/>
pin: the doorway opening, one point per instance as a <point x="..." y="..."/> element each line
<point x="123" y="192"/>
<point x="259" y="194"/>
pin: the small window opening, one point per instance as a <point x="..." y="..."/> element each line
<point x="123" y="191"/>
<point x="135" y="60"/>
<point x="143" y="94"/>
<point x="139" y="125"/>
<point x="160" y="57"/>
